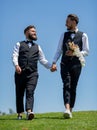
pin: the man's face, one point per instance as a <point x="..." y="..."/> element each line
<point x="70" y="24"/>
<point x="31" y="34"/>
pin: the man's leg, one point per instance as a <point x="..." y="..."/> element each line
<point x="75" y="73"/>
<point x="65" y="75"/>
<point x="20" y="88"/>
<point x="66" y="83"/>
<point x="30" y="88"/>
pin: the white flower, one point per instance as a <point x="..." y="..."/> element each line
<point x="76" y="52"/>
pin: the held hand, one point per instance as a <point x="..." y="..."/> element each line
<point x="18" y="69"/>
<point x="53" y="68"/>
<point x="69" y="53"/>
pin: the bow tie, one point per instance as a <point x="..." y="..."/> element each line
<point x="72" y="32"/>
<point x="29" y="42"/>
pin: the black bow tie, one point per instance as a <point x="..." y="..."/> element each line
<point x="72" y="32"/>
<point x="29" y="42"/>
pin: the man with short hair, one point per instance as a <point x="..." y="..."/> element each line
<point x="25" y="59"/>
<point x="71" y="64"/>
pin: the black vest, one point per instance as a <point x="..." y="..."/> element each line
<point x="67" y="38"/>
<point x="28" y="57"/>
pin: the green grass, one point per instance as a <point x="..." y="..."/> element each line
<point x="86" y="120"/>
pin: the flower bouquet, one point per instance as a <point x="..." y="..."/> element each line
<point x="76" y="52"/>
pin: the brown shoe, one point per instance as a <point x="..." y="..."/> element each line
<point x="30" y="115"/>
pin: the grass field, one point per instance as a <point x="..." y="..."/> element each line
<point x="86" y="120"/>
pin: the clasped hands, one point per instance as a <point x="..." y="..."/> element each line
<point x="53" y="68"/>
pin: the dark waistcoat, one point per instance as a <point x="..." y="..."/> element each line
<point x="28" y="57"/>
<point x="67" y="38"/>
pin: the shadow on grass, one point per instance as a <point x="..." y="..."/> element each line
<point x="10" y="119"/>
<point x="36" y="118"/>
<point x="49" y="117"/>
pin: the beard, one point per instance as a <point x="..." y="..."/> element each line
<point x="69" y="28"/>
<point x="32" y="37"/>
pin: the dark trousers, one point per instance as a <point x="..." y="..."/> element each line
<point x="25" y="82"/>
<point x="70" y="72"/>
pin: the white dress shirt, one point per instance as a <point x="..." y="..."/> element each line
<point x="42" y="58"/>
<point x="85" y="46"/>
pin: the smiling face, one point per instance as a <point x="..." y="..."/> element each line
<point x="31" y="34"/>
<point x="72" y="21"/>
<point x="70" y="24"/>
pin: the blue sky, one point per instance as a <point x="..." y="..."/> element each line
<point x="49" y="18"/>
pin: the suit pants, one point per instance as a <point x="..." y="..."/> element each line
<point x="25" y="83"/>
<point x="70" y="73"/>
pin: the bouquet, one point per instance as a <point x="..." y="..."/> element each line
<point x="76" y="52"/>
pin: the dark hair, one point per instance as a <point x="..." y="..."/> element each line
<point x="28" y="27"/>
<point x="74" y="17"/>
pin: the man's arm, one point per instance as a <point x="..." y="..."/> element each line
<point x="59" y="49"/>
<point x="57" y="54"/>
<point x="42" y="59"/>
<point x="85" y="47"/>
<point x="15" y="58"/>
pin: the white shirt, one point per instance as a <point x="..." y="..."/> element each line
<point x="85" y="46"/>
<point x="42" y="58"/>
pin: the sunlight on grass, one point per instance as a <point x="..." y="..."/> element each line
<point x="51" y="121"/>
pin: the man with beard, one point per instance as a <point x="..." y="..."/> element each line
<point x="70" y="63"/>
<point x="25" y="59"/>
